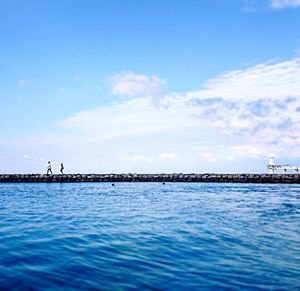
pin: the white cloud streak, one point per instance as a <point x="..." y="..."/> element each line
<point x="243" y="114"/>
<point x="260" y="104"/>
<point x="281" y="4"/>
<point x="276" y="80"/>
<point x="30" y="158"/>
<point x="168" y="155"/>
<point x="212" y="157"/>
<point x="132" y="85"/>
<point x="137" y="159"/>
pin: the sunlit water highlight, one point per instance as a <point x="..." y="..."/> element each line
<point x="149" y="236"/>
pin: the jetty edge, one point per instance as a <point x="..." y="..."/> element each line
<point x="162" y="177"/>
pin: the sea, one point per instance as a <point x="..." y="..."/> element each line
<point x="149" y="236"/>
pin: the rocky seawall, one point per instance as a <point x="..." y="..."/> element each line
<point x="214" y="178"/>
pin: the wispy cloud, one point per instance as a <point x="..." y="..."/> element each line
<point x="236" y="152"/>
<point x="265" y="5"/>
<point x="249" y="151"/>
<point x="133" y="85"/>
<point x="30" y="158"/>
<point x="137" y="159"/>
<point x="257" y="103"/>
<point x="168" y="155"/>
<point x="281" y="4"/>
<point x="212" y="157"/>
<point x="274" y="79"/>
<point x="243" y="114"/>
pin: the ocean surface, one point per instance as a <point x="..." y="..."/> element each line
<point x="177" y="236"/>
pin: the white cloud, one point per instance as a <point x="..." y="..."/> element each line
<point x="235" y="152"/>
<point x="131" y="84"/>
<point x="168" y="155"/>
<point x="246" y="151"/>
<point x="30" y="158"/>
<point x="274" y="80"/>
<point x="137" y="158"/>
<point x="212" y="157"/>
<point x="244" y="114"/>
<point x="262" y="5"/>
<point x="133" y="117"/>
<point x="280" y="4"/>
<point x="261" y="104"/>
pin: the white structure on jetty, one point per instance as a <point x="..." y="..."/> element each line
<point x="284" y="168"/>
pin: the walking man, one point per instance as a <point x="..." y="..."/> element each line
<point x="61" y="168"/>
<point x="49" y="168"/>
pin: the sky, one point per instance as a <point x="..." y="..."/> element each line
<point x="152" y="86"/>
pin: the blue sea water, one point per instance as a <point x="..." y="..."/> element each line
<point x="178" y="236"/>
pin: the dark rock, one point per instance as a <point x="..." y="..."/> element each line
<point x="163" y="177"/>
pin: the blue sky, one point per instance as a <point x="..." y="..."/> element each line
<point x="149" y="86"/>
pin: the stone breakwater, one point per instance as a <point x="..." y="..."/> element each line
<point x="216" y="178"/>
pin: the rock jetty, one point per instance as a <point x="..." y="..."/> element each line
<point x="180" y="177"/>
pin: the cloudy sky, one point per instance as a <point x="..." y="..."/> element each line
<point x="149" y="86"/>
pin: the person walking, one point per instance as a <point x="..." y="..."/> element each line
<point x="62" y="168"/>
<point x="49" y="168"/>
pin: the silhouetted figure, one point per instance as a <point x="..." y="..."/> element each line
<point x="62" y="168"/>
<point x="49" y="168"/>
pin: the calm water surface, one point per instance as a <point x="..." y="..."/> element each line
<point x="179" y="236"/>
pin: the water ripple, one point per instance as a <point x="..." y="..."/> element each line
<point x="149" y="236"/>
